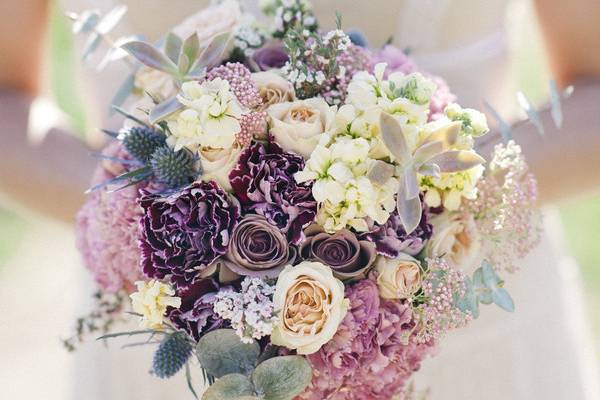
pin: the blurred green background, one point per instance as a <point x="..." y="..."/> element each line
<point x="581" y="217"/>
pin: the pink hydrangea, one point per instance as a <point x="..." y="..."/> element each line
<point x="373" y="353"/>
<point x="440" y="99"/>
<point x="107" y="229"/>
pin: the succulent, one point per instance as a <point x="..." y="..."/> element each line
<point x="141" y="142"/>
<point x="172" y="168"/>
<point x="171" y="355"/>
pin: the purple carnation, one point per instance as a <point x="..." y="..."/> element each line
<point x="263" y="181"/>
<point x="372" y="355"/>
<point x="391" y="239"/>
<point x="184" y="233"/>
<point x="195" y="316"/>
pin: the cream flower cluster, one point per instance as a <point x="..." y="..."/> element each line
<point x="210" y="117"/>
<point x="406" y="97"/>
<point x="449" y="189"/>
<point x="341" y="186"/>
<point x="151" y="301"/>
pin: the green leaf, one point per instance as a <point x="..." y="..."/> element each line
<point x="456" y="160"/>
<point x="230" y="387"/>
<point x="469" y="302"/>
<point x="409" y="210"/>
<point x="503" y="300"/>
<point x="221" y="352"/>
<point x="150" y="56"/>
<point x="393" y="138"/>
<point x="191" y="48"/>
<point x="188" y="379"/>
<point x="164" y="109"/>
<point x="282" y="378"/>
<point x="173" y="46"/>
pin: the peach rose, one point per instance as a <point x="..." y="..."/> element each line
<point x="398" y="278"/>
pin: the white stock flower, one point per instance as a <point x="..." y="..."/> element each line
<point x="151" y="301"/>
<point x="474" y="121"/>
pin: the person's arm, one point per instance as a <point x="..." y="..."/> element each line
<point x="565" y="161"/>
<point x="49" y="176"/>
<point x="572" y="37"/>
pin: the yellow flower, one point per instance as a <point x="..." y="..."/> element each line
<point x="151" y="301"/>
<point x="311" y="306"/>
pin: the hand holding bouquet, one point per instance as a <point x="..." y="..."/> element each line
<point x="302" y="215"/>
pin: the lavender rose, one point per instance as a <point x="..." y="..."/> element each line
<point x="258" y="249"/>
<point x="391" y="239"/>
<point x="263" y="181"/>
<point x="184" y="233"/>
<point x="195" y="315"/>
<point x="271" y="56"/>
<point x="347" y="256"/>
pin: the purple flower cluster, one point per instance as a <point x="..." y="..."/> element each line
<point x="195" y="316"/>
<point x="373" y="353"/>
<point x="263" y="181"/>
<point x="184" y="233"/>
<point x="240" y="81"/>
<point x="391" y="239"/>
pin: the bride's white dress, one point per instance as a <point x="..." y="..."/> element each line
<point x="542" y="351"/>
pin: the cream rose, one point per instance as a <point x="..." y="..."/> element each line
<point x="297" y="126"/>
<point x="159" y="84"/>
<point x="273" y="89"/>
<point x="217" y="18"/>
<point x="311" y="306"/>
<point x="218" y="163"/>
<point x="455" y="238"/>
<point x="398" y="278"/>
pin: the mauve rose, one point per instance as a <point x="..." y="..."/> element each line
<point x="270" y="56"/>
<point x="258" y="249"/>
<point x="347" y="256"/>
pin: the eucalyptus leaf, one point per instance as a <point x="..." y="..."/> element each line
<point x="115" y="53"/>
<point x="86" y="21"/>
<point x="393" y="138"/>
<point x="122" y="93"/>
<point x="469" y="302"/>
<point x="164" y="109"/>
<point x="221" y="352"/>
<point x="150" y="56"/>
<point x="230" y="387"/>
<point x="111" y="19"/>
<point x="90" y="46"/>
<point x="556" y="110"/>
<point x="531" y="112"/>
<point x="503" y="300"/>
<point x="503" y="126"/>
<point x="282" y="378"/>
<point x="173" y="45"/>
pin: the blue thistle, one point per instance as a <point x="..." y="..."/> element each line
<point x="171" y="355"/>
<point x="172" y="168"/>
<point x="141" y="142"/>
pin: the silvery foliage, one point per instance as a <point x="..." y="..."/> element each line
<point x="242" y="376"/>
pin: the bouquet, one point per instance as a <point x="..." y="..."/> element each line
<point x="296" y="214"/>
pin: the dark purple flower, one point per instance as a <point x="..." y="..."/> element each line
<point x="270" y="56"/>
<point x="195" y="316"/>
<point x="347" y="256"/>
<point x="263" y="180"/>
<point x="258" y="249"/>
<point x="184" y="233"/>
<point x="391" y="239"/>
